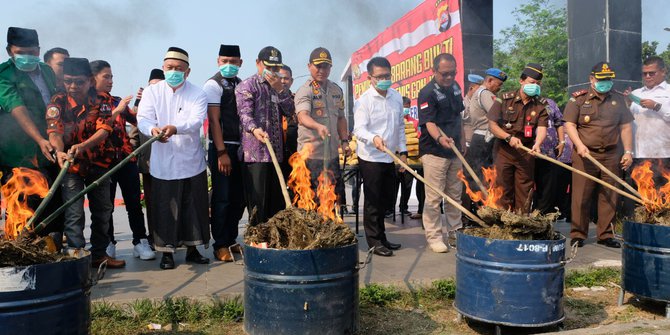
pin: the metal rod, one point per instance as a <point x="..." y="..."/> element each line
<point x="95" y="184"/>
<point x="585" y="175"/>
<point x="280" y="175"/>
<point x="43" y="205"/>
<point x="614" y="176"/>
<point x="453" y="202"/>
<point x="467" y="167"/>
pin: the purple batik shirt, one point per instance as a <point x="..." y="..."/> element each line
<point x="551" y="141"/>
<point x="260" y="106"/>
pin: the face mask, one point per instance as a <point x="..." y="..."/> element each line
<point x="405" y="111"/>
<point x="26" y="63"/>
<point x="531" y="90"/>
<point x="603" y="86"/>
<point x="229" y="70"/>
<point x="384" y="84"/>
<point x="174" y="78"/>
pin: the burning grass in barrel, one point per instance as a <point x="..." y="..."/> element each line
<point x="656" y="209"/>
<point x="507" y="224"/>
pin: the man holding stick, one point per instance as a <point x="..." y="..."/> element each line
<point x="599" y="124"/>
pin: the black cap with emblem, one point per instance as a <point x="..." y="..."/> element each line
<point x="22" y="37"/>
<point x="533" y="70"/>
<point x="320" y="55"/>
<point x="602" y="70"/>
<point x="76" y="67"/>
<point x="270" y="56"/>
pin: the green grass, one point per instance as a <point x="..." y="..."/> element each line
<point x="592" y="277"/>
<point x="379" y="295"/>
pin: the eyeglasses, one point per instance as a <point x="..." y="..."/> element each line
<point x="382" y="76"/>
<point x="447" y="74"/>
<point x="77" y="82"/>
<point x="649" y="74"/>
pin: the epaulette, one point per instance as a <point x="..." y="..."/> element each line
<point x="580" y="92"/>
<point x="542" y="100"/>
<point x="509" y="95"/>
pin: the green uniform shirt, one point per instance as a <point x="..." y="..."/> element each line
<point x="17" y="149"/>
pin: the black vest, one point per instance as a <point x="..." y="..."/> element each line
<point x="230" y="120"/>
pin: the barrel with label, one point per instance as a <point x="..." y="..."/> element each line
<point x="510" y="282"/>
<point x="49" y="298"/>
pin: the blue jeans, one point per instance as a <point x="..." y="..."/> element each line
<point x="100" y="206"/>
<point x="227" y="204"/>
<point x="128" y="178"/>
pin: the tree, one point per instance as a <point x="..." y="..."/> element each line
<point x="649" y="49"/>
<point x="540" y="36"/>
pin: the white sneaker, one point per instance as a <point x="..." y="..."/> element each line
<point x="439" y="247"/>
<point x="111" y="250"/>
<point x="143" y="250"/>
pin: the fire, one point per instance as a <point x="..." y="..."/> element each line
<point x="23" y="183"/>
<point x="300" y="182"/>
<point x="654" y="199"/>
<point x="494" y="192"/>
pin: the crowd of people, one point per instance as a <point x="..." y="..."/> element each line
<point x="61" y="114"/>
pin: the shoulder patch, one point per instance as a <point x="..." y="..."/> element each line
<point x="543" y="100"/>
<point x="573" y="99"/>
<point x="509" y="95"/>
<point x="580" y="92"/>
<point x="53" y="112"/>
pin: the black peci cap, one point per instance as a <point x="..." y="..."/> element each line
<point x="270" y="56"/>
<point x="229" y="50"/>
<point x="22" y="37"/>
<point x="77" y="67"/>
<point x="156" y="74"/>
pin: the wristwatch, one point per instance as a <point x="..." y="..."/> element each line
<point x="628" y="152"/>
<point x="508" y="138"/>
<point x="657" y="107"/>
<point x="561" y="142"/>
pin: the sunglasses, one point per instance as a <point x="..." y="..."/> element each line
<point x="77" y="82"/>
<point x="447" y="74"/>
<point x="649" y="74"/>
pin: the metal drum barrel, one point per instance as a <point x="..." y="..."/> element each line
<point x="510" y="282"/>
<point x="645" y="260"/>
<point x="301" y="291"/>
<point x="49" y="298"/>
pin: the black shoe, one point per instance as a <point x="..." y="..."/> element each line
<point x="382" y="251"/>
<point x="405" y="212"/>
<point x="392" y="246"/>
<point x="167" y="262"/>
<point x="193" y="256"/>
<point x="610" y="243"/>
<point x="388" y="214"/>
<point x="578" y="241"/>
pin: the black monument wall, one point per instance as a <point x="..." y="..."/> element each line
<point x="477" y="30"/>
<point x="604" y="30"/>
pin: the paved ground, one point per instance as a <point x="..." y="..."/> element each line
<point x="410" y="265"/>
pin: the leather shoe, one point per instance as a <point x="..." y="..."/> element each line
<point x="578" y="241"/>
<point x="382" y="251"/>
<point x="223" y="254"/>
<point x="167" y="261"/>
<point x="610" y="243"/>
<point x="392" y="246"/>
<point x="112" y="263"/>
<point x="195" y="257"/>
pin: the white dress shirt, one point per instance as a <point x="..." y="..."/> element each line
<point x="376" y="115"/>
<point x="183" y="156"/>
<point x="652" y="128"/>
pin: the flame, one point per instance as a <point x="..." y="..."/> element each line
<point x="300" y="182"/>
<point x="494" y="192"/>
<point x="654" y="200"/>
<point x="23" y="183"/>
<point x="300" y="179"/>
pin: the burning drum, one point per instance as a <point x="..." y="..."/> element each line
<point x="51" y="298"/>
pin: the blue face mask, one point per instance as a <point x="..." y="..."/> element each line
<point x="26" y="63"/>
<point x="229" y="70"/>
<point x="405" y="111"/>
<point x="174" y="78"/>
<point x="603" y="86"/>
<point x="384" y="84"/>
<point x="532" y="90"/>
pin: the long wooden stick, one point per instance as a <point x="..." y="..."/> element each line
<point x="43" y="205"/>
<point x="453" y="202"/>
<point x="280" y="175"/>
<point x="467" y="167"/>
<point x="614" y="176"/>
<point x="585" y="175"/>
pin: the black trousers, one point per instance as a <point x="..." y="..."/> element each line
<point x="227" y="202"/>
<point x="547" y="192"/>
<point x="379" y="188"/>
<point x="262" y="192"/>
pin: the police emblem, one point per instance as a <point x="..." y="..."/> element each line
<point x="318" y="104"/>
<point x="319" y="112"/>
<point x="587" y="119"/>
<point x="53" y="112"/>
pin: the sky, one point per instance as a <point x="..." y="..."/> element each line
<point x="133" y="35"/>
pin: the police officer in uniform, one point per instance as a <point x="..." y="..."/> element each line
<point x="519" y="120"/>
<point x="600" y="124"/>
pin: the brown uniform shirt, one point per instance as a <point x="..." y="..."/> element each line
<point x="598" y="119"/>
<point x="513" y="116"/>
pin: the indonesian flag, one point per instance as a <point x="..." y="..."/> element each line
<point x="424" y="105"/>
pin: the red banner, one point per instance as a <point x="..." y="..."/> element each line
<point x="410" y="45"/>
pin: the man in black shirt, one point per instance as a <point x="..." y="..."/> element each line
<point x="440" y="105"/>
